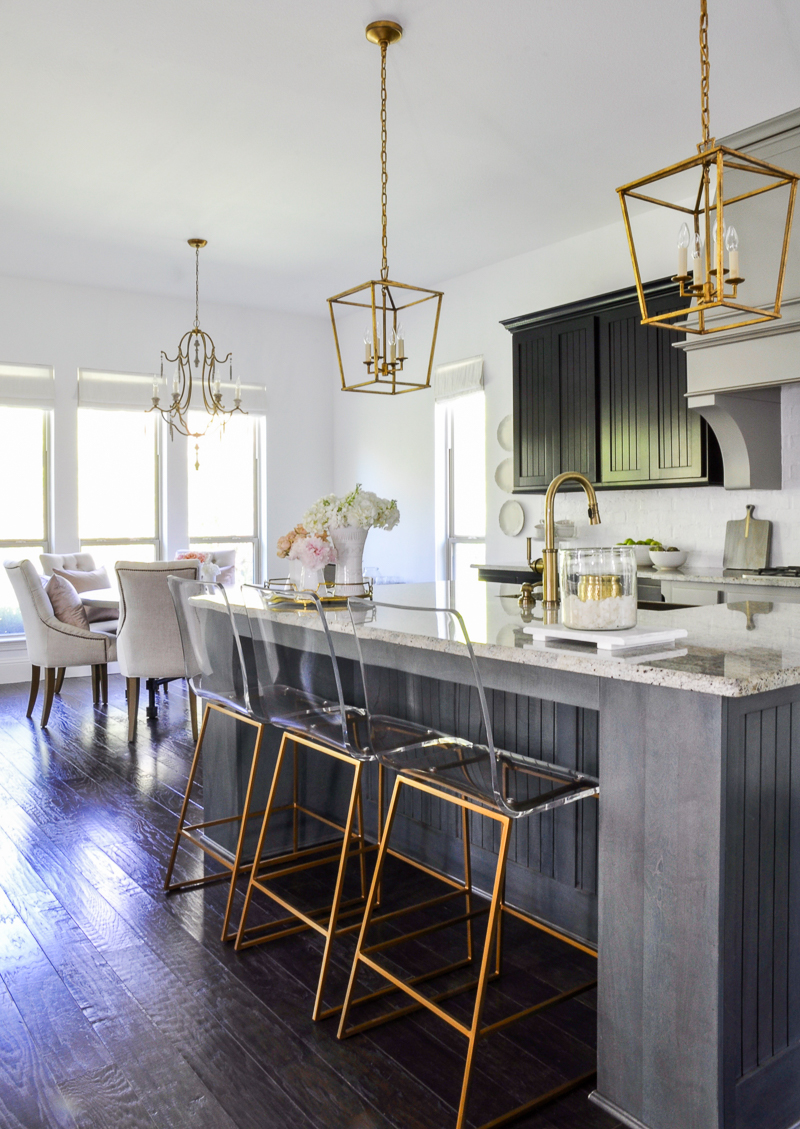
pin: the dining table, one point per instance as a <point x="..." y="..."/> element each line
<point x="100" y="598"/>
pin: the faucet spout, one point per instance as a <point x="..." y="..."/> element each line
<point x="549" y="555"/>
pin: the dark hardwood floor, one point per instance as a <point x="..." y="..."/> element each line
<point x="120" y="1007"/>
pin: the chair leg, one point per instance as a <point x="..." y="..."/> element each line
<point x="133" y="707"/>
<point x="49" y="693"/>
<point x="192" y="713"/>
<point x="35" y="672"/>
<point x="186" y="797"/>
<point x="60" y="679"/>
<point x="261" y="837"/>
<point x="104" y="683"/>
<point x="486" y="964"/>
<point x="96" y="684"/>
<point x="347" y="842"/>
<point x="237" y="861"/>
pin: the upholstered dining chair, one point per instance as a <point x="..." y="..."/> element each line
<point x="83" y="574"/>
<point x="53" y="643"/>
<point x="148" y="639"/>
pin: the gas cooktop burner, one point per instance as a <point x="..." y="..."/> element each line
<point x="783" y="570"/>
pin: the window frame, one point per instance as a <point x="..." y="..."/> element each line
<point x="451" y="538"/>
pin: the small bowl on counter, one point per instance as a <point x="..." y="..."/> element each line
<point x="667" y="561"/>
<point x="642" y="554"/>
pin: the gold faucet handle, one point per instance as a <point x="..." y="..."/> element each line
<point x="594" y="513"/>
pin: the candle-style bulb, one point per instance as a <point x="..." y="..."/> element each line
<point x="401" y="342"/>
<point x="732" y="247"/>
<point x="367" y="344"/>
<point x="697" y="260"/>
<point x="683" y="243"/>
<point x="393" y="346"/>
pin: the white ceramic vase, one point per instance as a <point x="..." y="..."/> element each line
<point x="348" y="541"/>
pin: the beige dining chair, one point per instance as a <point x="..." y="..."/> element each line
<point x="148" y="639"/>
<point x="82" y="572"/>
<point x="53" y="644"/>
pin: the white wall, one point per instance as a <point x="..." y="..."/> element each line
<point x="73" y="327"/>
<point x="388" y="444"/>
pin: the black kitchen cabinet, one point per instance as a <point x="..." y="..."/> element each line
<point x="596" y="391"/>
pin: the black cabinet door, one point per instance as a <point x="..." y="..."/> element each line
<point x="554" y="402"/>
<point x="677" y="434"/>
<point x="535" y="408"/>
<point x="624" y="378"/>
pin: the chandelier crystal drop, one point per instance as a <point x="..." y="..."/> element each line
<point x="196" y="351"/>
<point x="384" y="357"/>
<point x="706" y="188"/>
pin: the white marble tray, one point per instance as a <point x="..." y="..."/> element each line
<point x="609" y="640"/>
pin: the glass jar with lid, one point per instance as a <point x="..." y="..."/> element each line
<point x="598" y="588"/>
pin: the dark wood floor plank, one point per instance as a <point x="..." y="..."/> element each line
<point x="29" y="1096"/>
<point x="156" y="1067"/>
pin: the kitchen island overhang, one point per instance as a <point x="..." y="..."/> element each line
<point x="697" y="909"/>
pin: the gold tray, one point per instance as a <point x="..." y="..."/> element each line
<point x="284" y="596"/>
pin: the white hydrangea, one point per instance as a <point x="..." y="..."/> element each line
<point x="360" y="508"/>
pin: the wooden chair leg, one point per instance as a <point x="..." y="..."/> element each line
<point x="193" y="713"/>
<point x="49" y="693"/>
<point x="104" y="683"/>
<point x="60" y="679"/>
<point x="133" y="707"/>
<point x="35" y="671"/>
<point x="95" y="684"/>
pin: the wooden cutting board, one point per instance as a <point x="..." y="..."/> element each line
<point x="747" y="543"/>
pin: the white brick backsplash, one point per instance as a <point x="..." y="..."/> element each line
<point x="691" y="517"/>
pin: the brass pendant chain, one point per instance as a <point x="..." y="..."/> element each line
<point x="705" y="67"/>
<point x="384" y="178"/>
<point x="197" y="287"/>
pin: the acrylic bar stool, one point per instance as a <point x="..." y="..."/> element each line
<point x="216" y="673"/>
<point x="299" y="689"/>
<point x="480" y="780"/>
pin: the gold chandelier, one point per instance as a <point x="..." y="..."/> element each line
<point x="706" y="233"/>
<point x="205" y="363"/>
<point x="385" y="355"/>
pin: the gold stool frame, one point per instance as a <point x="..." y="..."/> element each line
<point x="189" y="831"/>
<point x="476" y="1031"/>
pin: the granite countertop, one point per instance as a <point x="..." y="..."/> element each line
<point x="686" y="573"/>
<point x="719" y="655"/>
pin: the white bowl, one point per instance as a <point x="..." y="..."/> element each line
<point x="668" y="561"/>
<point x="642" y="554"/>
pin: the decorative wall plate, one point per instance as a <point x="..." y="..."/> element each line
<point x="512" y="518"/>
<point x="505" y="433"/>
<point x="504" y="475"/>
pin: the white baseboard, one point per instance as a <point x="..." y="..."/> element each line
<point x="15" y="665"/>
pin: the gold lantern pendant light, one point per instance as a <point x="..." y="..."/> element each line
<point x="196" y="350"/>
<point x="706" y="234"/>
<point x="385" y="357"/>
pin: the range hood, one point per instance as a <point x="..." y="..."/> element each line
<point x="734" y="379"/>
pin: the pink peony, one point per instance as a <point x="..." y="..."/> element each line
<point x="312" y="552"/>
<point x="284" y="545"/>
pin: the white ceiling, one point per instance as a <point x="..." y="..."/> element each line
<point x="129" y="125"/>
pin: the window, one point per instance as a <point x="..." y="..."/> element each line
<point x="224" y="493"/>
<point x="461" y="486"/>
<point x="24" y="525"/>
<point x="118" y="485"/>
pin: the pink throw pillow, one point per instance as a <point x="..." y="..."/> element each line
<point x="67" y="606"/>
<point x="87" y="582"/>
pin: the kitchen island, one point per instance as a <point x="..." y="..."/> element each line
<point x="692" y="885"/>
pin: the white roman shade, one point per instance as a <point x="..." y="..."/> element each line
<point x="131" y="391"/>
<point x="27" y="386"/>
<point x="125" y="391"/>
<point x="457" y="378"/>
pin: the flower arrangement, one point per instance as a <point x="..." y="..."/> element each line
<point x="360" y="509"/>
<point x="312" y="550"/>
